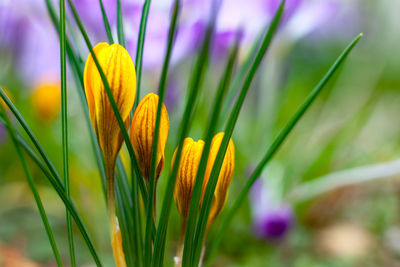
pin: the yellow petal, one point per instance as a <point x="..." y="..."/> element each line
<point x="187" y="171"/>
<point x="142" y="134"/>
<point x="119" y="69"/>
<point x="225" y="175"/>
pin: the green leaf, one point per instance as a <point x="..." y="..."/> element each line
<point x="161" y="93"/>
<point x="210" y="189"/>
<point x="240" y="75"/>
<point x="120" y="26"/>
<point x="64" y="126"/>
<point x="32" y="186"/>
<point x="106" y="23"/>
<point x="139" y="49"/>
<point x="277" y="143"/>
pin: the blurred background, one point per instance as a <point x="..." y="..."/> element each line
<point x="331" y="195"/>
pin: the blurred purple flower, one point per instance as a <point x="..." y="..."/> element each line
<point x="272" y="220"/>
<point x="188" y="35"/>
<point x="311" y="15"/>
<point x="92" y="18"/>
<point x="234" y="15"/>
<point x="27" y="32"/>
<point x="13" y="24"/>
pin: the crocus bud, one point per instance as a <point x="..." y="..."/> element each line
<point x="225" y="175"/>
<point x="46" y="100"/>
<point x="118" y="67"/>
<point x="142" y="134"/>
<point x="187" y="171"/>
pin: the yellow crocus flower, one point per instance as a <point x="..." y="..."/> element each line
<point x="190" y="160"/>
<point x="186" y="176"/>
<point x="187" y="171"/>
<point x="142" y="134"/>
<point x="118" y="67"/>
<point x="119" y="70"/>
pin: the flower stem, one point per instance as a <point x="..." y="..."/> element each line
<point x="179" y="252"/>
<point x="116" y="239"/>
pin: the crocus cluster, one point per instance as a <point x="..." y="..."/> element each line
<point x="120" y="74"/>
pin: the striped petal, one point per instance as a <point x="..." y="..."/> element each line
<point x="119" y="70"/>
<point x="142" y="134"/>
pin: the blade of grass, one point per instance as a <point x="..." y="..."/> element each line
<point x="120" y="25"/>
<point x="32" y="186"/>
<point x="140" y="48"/>
<point x="64" y="126"/>
<point x="74" y="41"/>
<point x="53" y="177"/>
<point x="106" y="23"/>
<point x="240" y="75"/>
<point x="161" y="94"/>
<point x="209" y="193"/>
<point x="194" y="86"/>
<point x="277" y="143"/>
<point x="211" y="130"/>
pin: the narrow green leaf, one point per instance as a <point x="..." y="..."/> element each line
<point x="210" y="189"/>
<point x="211" y="130"/>
<point x="240" y="75"/>
<point x="194" y="86"/>
<point x="120" y="25"/>
<point x="53" y="177"/>
<point x="32" y="186"/>
<point x="106" y="23"/>
<point x="64" y="126"/>
<point x="161" y="94"/>
<point x="277" y="143"/>
<point x="140" y="48"/>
